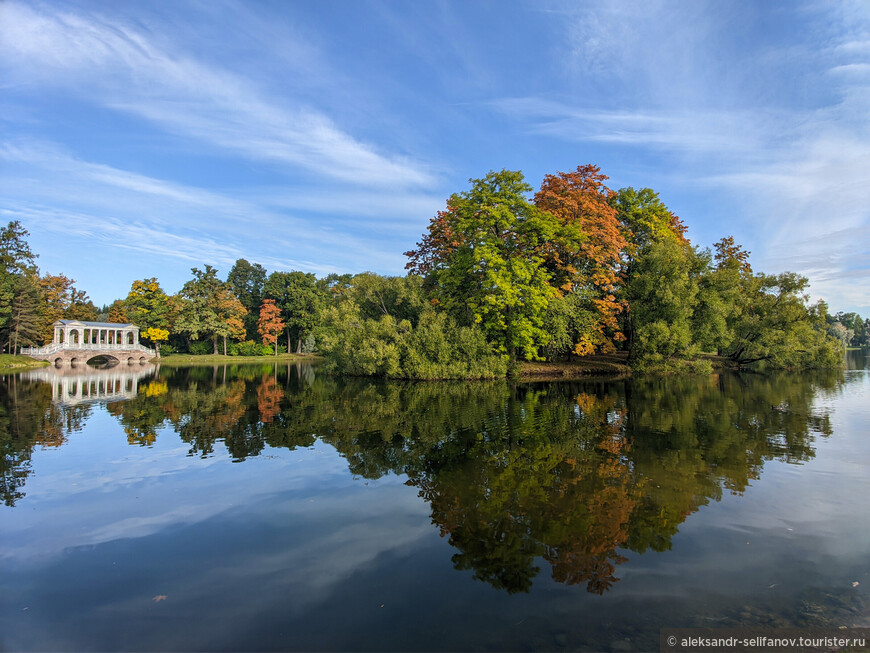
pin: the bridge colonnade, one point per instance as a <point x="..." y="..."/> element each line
<point x="70" y="334"/>
<point x="77" y="341"/>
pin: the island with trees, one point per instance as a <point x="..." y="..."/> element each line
<point x="501" y="278"/>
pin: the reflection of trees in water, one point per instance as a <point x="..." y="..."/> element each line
<point x="559" y="490"/>
<point x="576" y="475"/>
<point x="28" y="418"/>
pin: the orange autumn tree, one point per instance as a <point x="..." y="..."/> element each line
<point x="232" y="315"/>
<point x="270" y="325"/>
<point x="440" y="241"/>
<point x="584" y="257"/>
<point x="118" y="312"/>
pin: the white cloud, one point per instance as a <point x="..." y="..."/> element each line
<point x="127" y="70"/>
<point x="85" y="202"/>
<point x="789" y="159"/>
<point x="685" y="130"/>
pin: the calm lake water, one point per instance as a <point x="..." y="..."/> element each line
<point x="264" y="508"/>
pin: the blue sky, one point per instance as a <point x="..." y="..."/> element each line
<point x="141" y="139"/>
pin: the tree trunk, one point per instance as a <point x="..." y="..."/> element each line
<point x="225" y="345"/>
<point x="214" y="345"/>
<point x="299" y="346"/>
<point x="15" y="340"/>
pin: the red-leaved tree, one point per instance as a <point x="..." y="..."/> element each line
<point x="270" y="323"/>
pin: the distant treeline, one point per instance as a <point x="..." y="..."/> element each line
<point x="497" y="277"/>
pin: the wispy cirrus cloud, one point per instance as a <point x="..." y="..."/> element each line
<point x="715" y="107"/>
<point x="130" y="70"/>
<point x="131" y="217"/>
<point x="678" y="130"/>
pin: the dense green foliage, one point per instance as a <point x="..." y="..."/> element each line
<point x="849" y="328"/>
<point x="246" y="282"/>
<point x="498" y="276"/>
<point x="495" y="277"/>
<point x="383" y="328"/>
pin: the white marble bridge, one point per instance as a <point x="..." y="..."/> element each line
<point x="78" y="342"/>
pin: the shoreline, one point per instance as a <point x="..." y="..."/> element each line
<point x="210" y="359"/>
<point x="612" y="366"/>
<point x="16" y="363"/>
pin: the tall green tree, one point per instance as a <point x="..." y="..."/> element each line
<point x="246" y="280"/>
<point x="24" y="322"/>
<point x="721" y="297"/>
<point x="200" y="313"/>
<point x="377" y="296"/>
<point x="149" y="307"/>
<point x="662" y="295"/>
<point x="299" y="297"/>
<point x="19" y="293"/>
<point x="81" y="307"/>
<point x="482" y="257"/>
<point x="333" y="287"/>
<point x="644" y="221"/>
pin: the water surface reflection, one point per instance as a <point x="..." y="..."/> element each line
<point x="574" y="476"/>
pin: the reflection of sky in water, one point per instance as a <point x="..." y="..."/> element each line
<point x="287" y="551"/>
<point x="124" y="491"/>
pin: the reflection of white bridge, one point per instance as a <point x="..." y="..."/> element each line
<point x="75" y="386"/>
<point x="60" y="353"/>
<point x="77" y="342"/>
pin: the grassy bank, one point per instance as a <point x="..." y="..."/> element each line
<point x="220" y="359"/>
<point x="11" y="363"/>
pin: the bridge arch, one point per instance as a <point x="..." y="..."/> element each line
<point x="111" y="360"/>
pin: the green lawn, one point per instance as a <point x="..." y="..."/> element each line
<point x="9" y="362"/>
<point x="212" y="359"/>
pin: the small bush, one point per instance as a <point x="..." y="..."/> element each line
<point x="251" y="348"/>
<point x="201" y="348"/>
